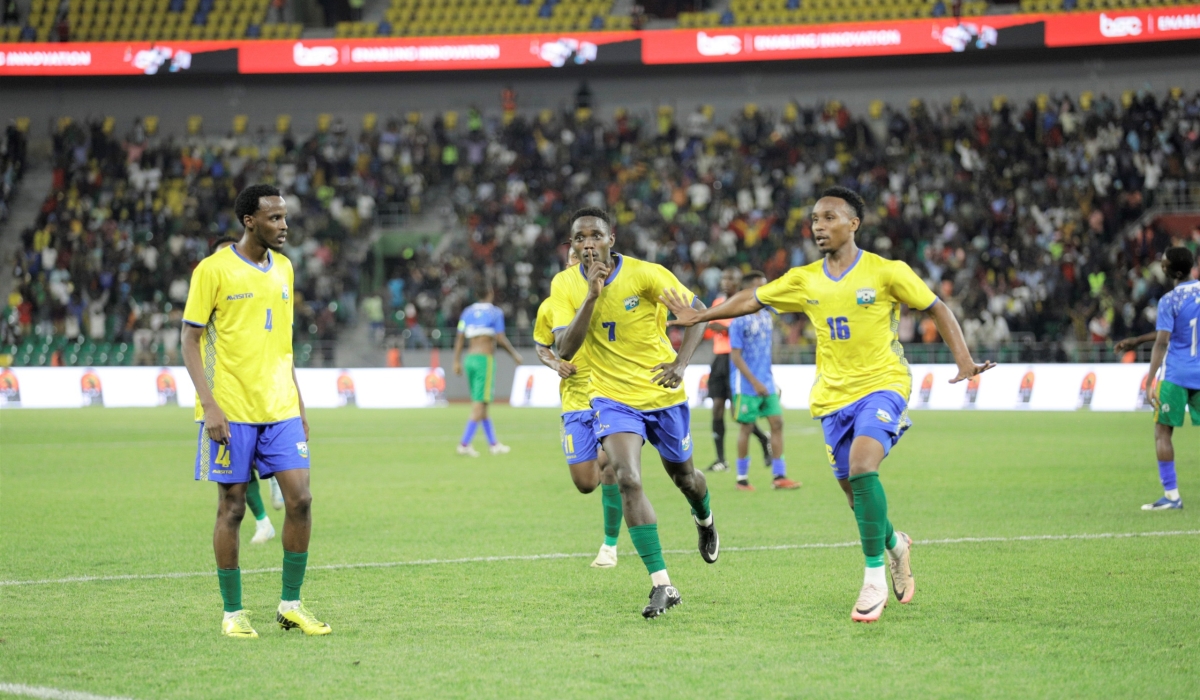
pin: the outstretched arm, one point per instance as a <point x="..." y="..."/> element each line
<point x="1161" y="342"/>
<point x="1134" y="343"/>
<point x="741" y="304"/>
<point x="952" y="333"/>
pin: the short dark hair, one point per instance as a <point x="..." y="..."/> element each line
<point x="590" y="211"/>
<point x="1179" y="262"/>
<point x="850" y="197"/>
<point x="222" y="241"/>
<point x="247" y="200"/>
<point x="482" y="290"/>
<point x="753" y="275"/>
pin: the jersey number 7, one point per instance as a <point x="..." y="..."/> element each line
<point x="612" y="329"/>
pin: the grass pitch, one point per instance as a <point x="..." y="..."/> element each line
<point x="110" y="493"/>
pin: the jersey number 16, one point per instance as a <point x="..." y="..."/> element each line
<point x="839" y="328"/>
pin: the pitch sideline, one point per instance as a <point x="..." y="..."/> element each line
<point x="36" y="691"/>
<point x="580" y="555"/>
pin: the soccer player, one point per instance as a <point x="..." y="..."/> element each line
<point x="1177" y="340"/>
<point x="589" y="465"/>
<point x="482" y="326"/>
<point x="754" y="391"/>
<point x="264" y="531"/>
<point x="718" y="375"/>
<point x="863" y="382"/>
<point x="608" y="307"/>
<point x="237" y="347"/>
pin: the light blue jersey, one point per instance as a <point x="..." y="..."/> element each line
<point x="1179" y="314"/>
<point x="481" y="319"/>
<point x="752" y="335"/>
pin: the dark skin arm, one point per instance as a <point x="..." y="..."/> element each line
<point x="299" y="398"/>
<point x="670" y="374"/>
<point x="735" y="356"/>
<point x="562" y="367"/>
<point x="502" y="340"/>
<point x="1134" y="343"/>
<point x="952" y="334"/>
<point x="215" y="422"/>
<point x="741" y="304"/>
<point x="1161" y="342"/>
<point x="458" y="348"/>
<point x="570" y="339"/>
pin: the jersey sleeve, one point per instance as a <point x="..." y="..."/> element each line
<point x="543" y="329"/>
<point x="736" y="337"/>
<point x="785" y="294"/>
<point x="907" y="288"/>
<point x="1166" y="314"/>
<point x="202" y="296"/>
<point x="561" y="310"/>
<point x="661" y="279"/>
<point x="498" y="320"/>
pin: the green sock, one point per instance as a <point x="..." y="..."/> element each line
<point x="700" y="508"/>
<point x="870" y="510"/>
<point x="610" y="498"/>
<point x="889" y="540"/>
<point x="254" y="498"/>
<point x="230" y="581"/>
<point x="294" y="564"/>
<point x="645" y="541"/>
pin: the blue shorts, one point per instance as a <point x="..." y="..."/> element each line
<point x="579" y="441"/>
<point x="271" y="447"/>
<point x="882" y="415"/>
<point x="668" y="429"/>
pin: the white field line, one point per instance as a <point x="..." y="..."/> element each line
<point x="34" y="691"/>
<point x="580" y="555"/>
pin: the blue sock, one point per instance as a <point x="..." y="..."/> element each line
<point x="743" y="467"/>
<point x="489" y="431"/>
<point x="469" y="433"/>
<point x="777" y="467"/>
<point x="1166" y="474"/>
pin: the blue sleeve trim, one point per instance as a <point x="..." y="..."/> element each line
<point x="559" y="328"/>
<point x="191" y="323"/>
<point x="935" y="301"/>
<point x="768" y="307"/>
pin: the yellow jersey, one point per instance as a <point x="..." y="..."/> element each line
<point x="246" y="348"/>
<point x="574" y="391"/>
<point x="856" y="318"/>
<point x="628" y="334"/>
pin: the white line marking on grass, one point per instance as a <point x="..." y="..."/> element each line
<point x="579" y="555"/>
<point x="34" y="691"/>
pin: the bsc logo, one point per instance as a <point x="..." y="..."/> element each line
<point x="865" y="296"/>
<point x="883" y="415"/>
<point x="631" y="303"/>
<point x="302" y="449"/>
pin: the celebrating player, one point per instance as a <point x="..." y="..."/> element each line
<point x="589" y="465"/>
<point x="1177" y="339"/>
<point x="863" y="382"/>
<point x="754" y="391"/>
<point x="237" y="346"/>
<point x="482" y="325"/>
<point x="608" y="306"/>
<point x="718" y="375"/>
<point x="264" y="531"/>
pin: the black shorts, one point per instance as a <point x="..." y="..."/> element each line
<point x="718" y="378"/>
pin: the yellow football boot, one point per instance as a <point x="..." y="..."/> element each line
<point x="300" y="617"/>
<point x="238" y="626"/>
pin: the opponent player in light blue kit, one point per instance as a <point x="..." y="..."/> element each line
<point x="753" y="386"/>
<point x="1178" y="341"/>
<point x="482" y="327"/>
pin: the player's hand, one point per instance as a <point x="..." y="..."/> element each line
<point x="458" y="368"/>
<point x="1125" y="346"/>
<point x="685" y="314"/>
<point x="1152" y="395"/>
<point x="668" y="374"/>
<point x="597" y="273"/>
<point x="968" y="371"/>
<point x="565" y="369"/>
<point x="759" y="388"/>
<point x="216" y="424"/>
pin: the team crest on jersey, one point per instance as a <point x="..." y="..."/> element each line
<point x="865" y="296"/>
<point x="285" y="291"/>
<point x="686" y="442"/>
<point x="631" y="303"/>
<point x="883" y="415"/>
<point x="302" y="449"/>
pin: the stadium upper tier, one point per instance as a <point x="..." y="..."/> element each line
<point x="147" y="20"/>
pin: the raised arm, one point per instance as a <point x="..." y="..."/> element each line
<point x="952" y="333"/>
<point x="743" y="303"/>
<point x="1162" y="341"/>
<point x="570" y="339"/>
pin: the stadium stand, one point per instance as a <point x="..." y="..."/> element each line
<point x="1034" y="221"/>
<point x="783" y="12"/>
<point x="144" y="20"/>
<point x="13" y="151"/>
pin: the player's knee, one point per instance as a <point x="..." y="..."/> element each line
<point x="232" y="510"/>
<point x="628" y="480"/>
<point x="300" y="504"/>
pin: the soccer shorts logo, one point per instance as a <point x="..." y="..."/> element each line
<point x="631" y="303"/>
<point x="883" y="415"/>
<point x="302" y="449"/>
<point x="829" y="454"/>
<point x="686" y="442"/>
<point x="865" y="296"/>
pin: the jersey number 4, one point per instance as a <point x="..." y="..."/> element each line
<point x="223" y="455"/>
<point x="839" y="328"/>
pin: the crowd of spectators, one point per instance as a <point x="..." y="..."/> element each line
<point x="1026" y="218"/>
<point x="128" y="217"/>
<point x="1022" y="216"/>
<point x="12" y="164"/>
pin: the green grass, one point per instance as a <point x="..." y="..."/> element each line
<point x="110" y="492"/>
